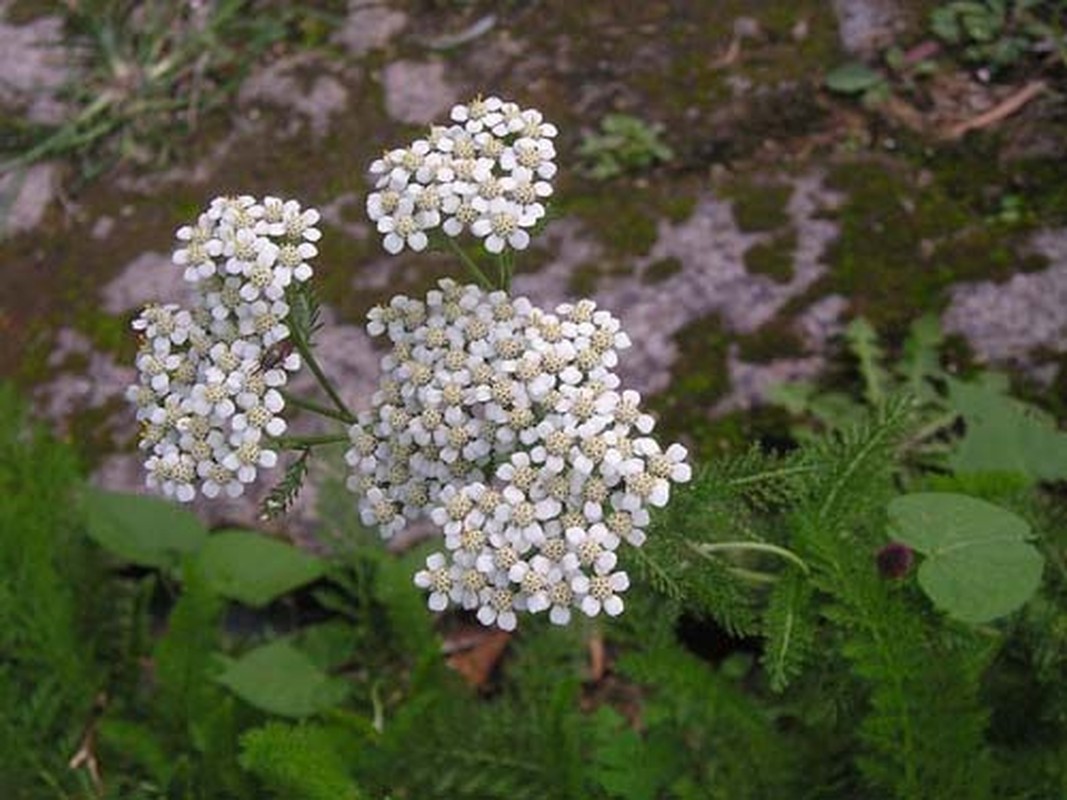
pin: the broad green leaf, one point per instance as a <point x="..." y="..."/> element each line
<point x="1005" y="435"/>
<point x="145" y="530"/>
<point x="853" y="78"/>
<point x="280" y="679"/>
<point x="978" y="565"/>
<point x="255" y="569"/>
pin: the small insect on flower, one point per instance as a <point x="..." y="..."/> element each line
<point x="275" y="355"/>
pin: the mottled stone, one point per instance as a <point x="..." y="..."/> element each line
<point x="92" y="385"/>
<point x="866" y="26"/>
<point x="368" y="27"/>
<point x="302" y="84"/>
<point x="29" y="193"/>
<point x="149" y="278"/>
<point x="417" y="92"/>
<point x="713" y="280"/>
<point x="821" y="321"/>
<point x="1005" y="322"/>
<point x="750" y="384"/>
<point x="33" y="67"/>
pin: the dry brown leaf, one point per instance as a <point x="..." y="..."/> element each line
<point x="475" y="652"/>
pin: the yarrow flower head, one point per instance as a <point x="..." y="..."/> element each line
<point x="488" y="173"/>
<point x="507" y="427"/>
<point x="208" y="395"/>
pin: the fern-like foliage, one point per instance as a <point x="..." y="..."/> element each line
<point x="863" y="341"/>
<point x="50" y="609"/>
<point x="923" y="713"/>
<point x="300" y="762"/>
<point x="924" y="727"/>
<point x="281" y="498"/>
<point x="306" y="311"/>
<point x="703" y="737"/>
<point x="856" y="466"/>
<point x="442" y="743"/>
<point x="734" y="499"/>
<point x="789" y="628"/>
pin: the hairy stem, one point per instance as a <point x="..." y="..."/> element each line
<point x="316" y="408"/>
<point x="708" y="548"/>
<point x="468" y="262"/>
<point x="304" y="442"/>
<point x="304" y="348"/>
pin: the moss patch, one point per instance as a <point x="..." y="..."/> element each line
<point x="108" y="333"/>
<point x="904" y="240"/>
<point x="661" y="270"/>
<point x="775" y="339"/>
<point x="699" y="378"/>
<point x="774" y="257"/>
<point x="625" y="222"/>
<point x="758" y="206"/>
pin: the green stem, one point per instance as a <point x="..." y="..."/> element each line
<point x="378" y="720"/>
<point x="505" y="263"/>
<point x="468" y="262"/>
<point x="753" y="576"/>
<point x="708" y="548"/>
<point x="316" y="408"/>
<point x="304" y="442"/>
<point x="304" y="349"/>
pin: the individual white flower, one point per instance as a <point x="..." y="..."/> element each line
<point x="535" y="155"/>
<point x="478" y="114"/>
<point x="592" y="547"/>
<point x="497" y="607"/>
<point x="299" y="225"/>
<point x="669" y="465"/>
<point x="534" y="125"/>
<point x="522" y="189"/>
<point x="403" y="228"/>
<point x="502" y="226"/>
<point x="218" y="480"/>
<point x="561" y="597"/>
<point x="601" y="593"/>
<point x="199" y="251"/>
<point x="293" y="264"/>
<point x="437" y="577"/>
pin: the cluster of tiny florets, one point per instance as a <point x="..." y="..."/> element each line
<point x="209" y="391"/>
<point x="507" y="426"/>
<point x="488" y="173"/>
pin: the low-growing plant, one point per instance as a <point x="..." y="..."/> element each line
<point x="141" y="70"/>
<point x="998" y="34"/>
<point x="863" y="615"/>
<point x="624" y="144"/>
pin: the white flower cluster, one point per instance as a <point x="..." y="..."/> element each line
<point x="488" y="173"/>
<point x="210" y="377"/>
<point x="507" y="426"/>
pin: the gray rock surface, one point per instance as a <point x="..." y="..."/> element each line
<point x="418" y="92"/>
<point x="27" y="193"/>
<point x="369" y="26"/>
<point x="713" y="280"/>
<point x="866" y="26"/>
<point x="300" y="84"/>
<point x="33" y="67"/>
<point x="1005" y="322"/>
